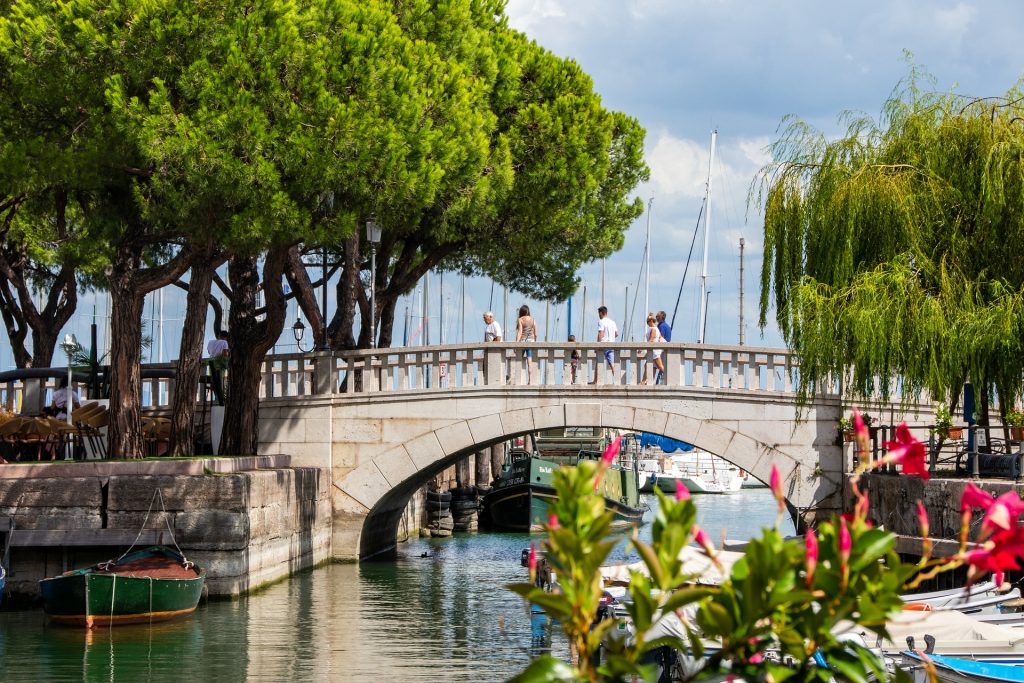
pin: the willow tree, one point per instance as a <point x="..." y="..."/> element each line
<point x="888" y="250"/>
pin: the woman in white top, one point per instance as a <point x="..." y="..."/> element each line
<point x="653" y="337"/>
<point x="526" y="331"/>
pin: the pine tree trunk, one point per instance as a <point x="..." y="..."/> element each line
<point x="241" y="412"/>
<point x="125" y="429"/>
<point x="386" y="324"/>
<point x="129" y="285"/>
<point x="249" y="340"/>
<point x="341" y="330"/>
<point x="190" y="358"/>
<point x="14" y="322"/>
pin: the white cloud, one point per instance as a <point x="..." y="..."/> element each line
<point x="678" y="166"/>
<point x="529" y="16"/>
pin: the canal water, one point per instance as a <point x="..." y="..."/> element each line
<point x="440" y="612"/>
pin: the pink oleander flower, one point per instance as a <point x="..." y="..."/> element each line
<point x="682" y="493"/>
<point x="613" y="449"/>
<point x="845" y="542"/>
<point x="811" y="542"/>
<point x="859" y="427"/>
<point x="973" y="497"/>
<point x="756" y="658"/>
<point x="852" y="517"/>
<point x="908" y="452"/>
<point x="553" y="520"/>
<point x="1004" y="513"/>
<point x="775" y="483"/>
<point x="533" y="563"/>
<point x="606" y="459"/>
<point x="845" y="546"/>
<point x="1000" y="553"/>
<point x="922" y="519"/>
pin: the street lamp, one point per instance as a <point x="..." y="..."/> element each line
<point x="298" y="329"/>
<point x="70" y="346"/>
<point x="373" y="237"/>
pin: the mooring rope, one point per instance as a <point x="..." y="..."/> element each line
<point x="157" y="494"/>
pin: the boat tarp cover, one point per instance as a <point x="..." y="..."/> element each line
<point x="694" y="562"/>
<point x="952" y="630"/>
<point x="666" y="444"/>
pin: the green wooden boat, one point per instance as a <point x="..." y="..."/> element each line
<point x="148" y="585"/>
<point x="523" y="493"/>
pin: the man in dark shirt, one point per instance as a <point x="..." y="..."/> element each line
<point x="664" y="327"/>
<point x="666" y="333"/>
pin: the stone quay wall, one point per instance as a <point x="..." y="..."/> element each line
<point x="894" y="506"/>
<point x="248" y="528"/>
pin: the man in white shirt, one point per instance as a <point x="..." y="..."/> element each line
<point x="607" y="331"/>
<point x="60" y="399"/>
<point x="493" y="330"/>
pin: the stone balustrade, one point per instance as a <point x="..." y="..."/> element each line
<point x="461" y="366"/>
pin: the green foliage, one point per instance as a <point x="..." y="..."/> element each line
<point x="885" y="248"/>
<point x="1014" y="418"/>
<point x="943" y="418"/>
<point x="773" y="601"/>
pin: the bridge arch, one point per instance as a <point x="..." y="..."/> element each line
<point x="370" y="499"/>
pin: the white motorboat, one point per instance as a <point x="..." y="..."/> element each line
<point x="698" y="470"/>
<point x="981" y="599"/>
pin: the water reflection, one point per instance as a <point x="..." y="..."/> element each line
<point x="439" y="613"/>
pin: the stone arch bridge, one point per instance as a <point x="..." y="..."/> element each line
<point x="385" y="421"/>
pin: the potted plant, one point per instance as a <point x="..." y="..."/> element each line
<point x="944" y="424"/>
<point x="846" y="426"/>
<point x="1015" y="421"/>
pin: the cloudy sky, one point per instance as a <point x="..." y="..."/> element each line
<point x="683" y="68"/>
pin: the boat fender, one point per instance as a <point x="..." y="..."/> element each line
<point x="917" y="607"/>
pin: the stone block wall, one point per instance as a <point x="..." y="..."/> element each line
<point x="894" y="502"/>
<point x="247" y="528"/>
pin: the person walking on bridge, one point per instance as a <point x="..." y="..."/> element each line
<point x="492" y="333"/>
<point x="526" y="331"/>
<point x="607" y="331"/>
<point x="666" y="335"/>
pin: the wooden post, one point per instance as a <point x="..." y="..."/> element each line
<point x="497" y="459"/>
<point x="482" y="467"/>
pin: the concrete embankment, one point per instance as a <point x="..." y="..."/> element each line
<point x="249" y="521"/>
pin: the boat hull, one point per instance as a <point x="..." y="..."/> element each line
<point x="523" y="494"/>
<point x="959" y="670"/>
<point x="524" y="507"/>
<point x="87" y="597"/>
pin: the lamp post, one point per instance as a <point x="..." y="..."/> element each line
<point x="373" y="237"/>
<point x="323" y="299"/>
<point x="70" y="345"/>
<point x="298" y="330"/>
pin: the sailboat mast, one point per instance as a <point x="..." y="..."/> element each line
<point x="707" y="227"/>
<point x="647" y="262"/>
<point x="741" y="292"/>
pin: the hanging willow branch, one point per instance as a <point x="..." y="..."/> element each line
<point x="892" y="253"/>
